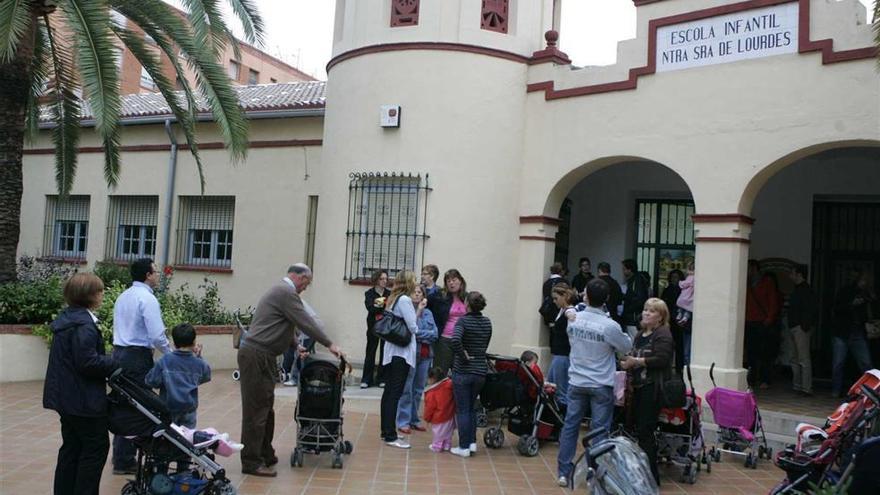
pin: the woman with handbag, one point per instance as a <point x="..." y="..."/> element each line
<point x="649" y="366"/>
<point x="398" y="328"/>
<point x="374" y="301"/>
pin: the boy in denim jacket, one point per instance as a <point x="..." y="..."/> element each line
<point x="178" y="375"/>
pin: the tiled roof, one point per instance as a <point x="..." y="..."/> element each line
<point x="256" y="98"/>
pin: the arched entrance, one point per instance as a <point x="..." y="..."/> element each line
<point x="818" y="207"/>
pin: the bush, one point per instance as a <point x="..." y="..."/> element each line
<point x="37" y="296"/>
<point x="112" y="272"/>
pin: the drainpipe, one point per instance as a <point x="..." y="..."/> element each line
<point x="169" y="193"/>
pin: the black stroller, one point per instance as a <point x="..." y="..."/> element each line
<point x="532" y="414"/>
<point x="319" y="411"/>
<point x="139" y="412"/>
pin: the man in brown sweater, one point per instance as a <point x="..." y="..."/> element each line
<point x="279" y="315"/>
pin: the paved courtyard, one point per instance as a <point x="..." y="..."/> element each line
<point x="30" y="437"/>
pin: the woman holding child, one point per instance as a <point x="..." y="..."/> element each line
<point x="398" y="360"/>
<point x="649" y="364"/>
<point x="76" y="388"/>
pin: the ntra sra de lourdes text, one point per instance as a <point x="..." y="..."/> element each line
<point x="757" y="41"/>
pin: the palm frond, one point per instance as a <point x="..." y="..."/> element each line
<point x="39" y="71"/>
<point x="211" y="77"/>
<point x="65" y="109"/>
<point x="235" y="44"/>
<point x="96" y="57"/>
<point x="153" y="65"/>
<point x="15" y="18"/>
<point x="208" y="24"/>
<point x="250" y="19"/>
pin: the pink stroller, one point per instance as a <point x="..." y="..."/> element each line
<point x="740" y="429"/>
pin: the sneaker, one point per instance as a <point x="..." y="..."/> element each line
<point x="382" y="385"/>
<point x="460" y="452"/>
<point x="562" y="481"/>
<point x="364" y="385"/>
<point x="435" y="449"/>
<point x="473" y="448"/>
<point x="290" y="383"/>
<point x="399" y="443"/>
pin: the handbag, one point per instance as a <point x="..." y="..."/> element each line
<point x="673" y="392"/>
<point x="872" y="329"/>
<point x="393" y="328"/>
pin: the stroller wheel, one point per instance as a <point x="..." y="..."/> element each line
<point x="224" y="488"/>
<point x="130" y="488"/>
<point x="769" y="454"/>
<point x="708" y="465"/>
<point x="236" y="375"/>
<point x="337" y="461"/>
<point x="527" y="446"/>
<point x="493" y="437"/>
<point x="348" y="447"/>
<point x="296" y="458"/>
<point x="482" y="418"/>
<point x="715" y="454"/>
<point x="751" y="461"/>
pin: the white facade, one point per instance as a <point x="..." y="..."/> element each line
<point x="506" y="136"/>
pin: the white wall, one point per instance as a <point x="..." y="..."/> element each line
<point x="603" y="210"/>
<point x="783" y="208"/>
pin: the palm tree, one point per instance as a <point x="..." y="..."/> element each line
<point x="33" y="56"/>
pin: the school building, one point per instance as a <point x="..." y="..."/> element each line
<point x="456" y="133"/>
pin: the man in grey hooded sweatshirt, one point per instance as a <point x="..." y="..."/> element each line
<point x="594" y="339"/>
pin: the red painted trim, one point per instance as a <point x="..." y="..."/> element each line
<point x="540" y="219"/>
<point x="723" y="218"/>
<point x="723" y="239"/>
<point x="214" y="329"/>
<point x="425" y="45"/>
<point x="136" y="148"/>
<point x="69" y="261"/>
<point x="829" y="56"/>
<point x="537" y="238"/>
<point x="363" y="282"/>
<point x="16" y="329"/>
<point x="205" y="269"/>
<point x="639" y="3"/>
<point x="551" y="54"/>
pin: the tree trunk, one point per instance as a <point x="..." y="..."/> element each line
<point x="14" y="86"/>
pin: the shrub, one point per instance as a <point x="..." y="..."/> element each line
<point x="37" y="295"/>
<point x="112" y="272"/>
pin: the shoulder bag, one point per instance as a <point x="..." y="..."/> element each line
<point x="393" y="328"/>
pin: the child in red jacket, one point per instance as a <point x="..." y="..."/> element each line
<point x="440" y="409"/>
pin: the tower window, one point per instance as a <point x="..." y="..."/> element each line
<point x="495" y="15"/>
<point x="404" y="13"/>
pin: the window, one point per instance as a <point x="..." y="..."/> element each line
<point x="234" y="70"/>
<point x="311" y="227"/>
<point x="404" y="13"/>
<point x="147" y="80"/>
<point x="67" y="227"/>
<point x="386" y="224"/>
<point x="664" y="239"/>
<point x="495" y="15"/>
<point x="131" y="227"/>
<point x="253" y="76"/>
<point x="204" y="236"/>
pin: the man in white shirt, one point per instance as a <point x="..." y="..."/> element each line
<point x="137" y="330"/>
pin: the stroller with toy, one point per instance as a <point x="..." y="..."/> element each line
<point x="616" y="466"/>
<point x="680" y="436"/>
<point x="740" y="428"/>
<point x="828" y="456"/>
<point x="139" y="413"/>
<point x="530" y="409"/>
<point x="318" y="411"/>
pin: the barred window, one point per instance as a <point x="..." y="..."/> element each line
<point x="204" y="236"/>
<point x="386" y="223"/>
<point x="66" y="232"/>
<point x="311" y="228"/>
<point x="131" y="227"/>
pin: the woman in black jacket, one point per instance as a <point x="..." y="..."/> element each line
<point x="374" y="301"/>
<point x="649" y="365"/>
<point x="76" y="388"/>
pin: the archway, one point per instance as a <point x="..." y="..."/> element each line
<point x="819" y="207"/>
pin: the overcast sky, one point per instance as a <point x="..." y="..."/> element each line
<point x="301" y="31"/>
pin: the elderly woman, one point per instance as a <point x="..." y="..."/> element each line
<point x="649" y="364"/>
<point x="76" y="388"/>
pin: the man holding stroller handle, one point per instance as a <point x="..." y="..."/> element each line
<point x="137" y="330"/>
<point x="594" y="339"/>
<point x="279" y="315"/>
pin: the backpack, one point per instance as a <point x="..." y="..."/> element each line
<point x="548" y="310"/>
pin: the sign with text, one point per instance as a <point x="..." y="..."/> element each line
<point x="727" y="38"/>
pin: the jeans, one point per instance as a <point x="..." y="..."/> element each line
<point x="686" y="340"/>
<point x="373" y="344"/>
<point x="801" y="367"/>
<point x="600" y="402"/>
<point x="558" y="374"/>
<point x="396" y="373"/>
<point x="187" y="419"/>
<point x="81" y="458"/>
<point x="137" y="362"/>
<point x="408" y="408"/>
<point x="857" y="344"/>
<point x="465" y="387"/>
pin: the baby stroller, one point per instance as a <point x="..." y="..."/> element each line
<point x="820" y="454"/>
<point x="138" y="412"/>
<point x="318" y="411"/>
<point x="680" y="436"/>
<point x="740" y="429"/>
<point x="616" y="466"/>
<point x="531" y="412"/>
<point x="239" y="335"/>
